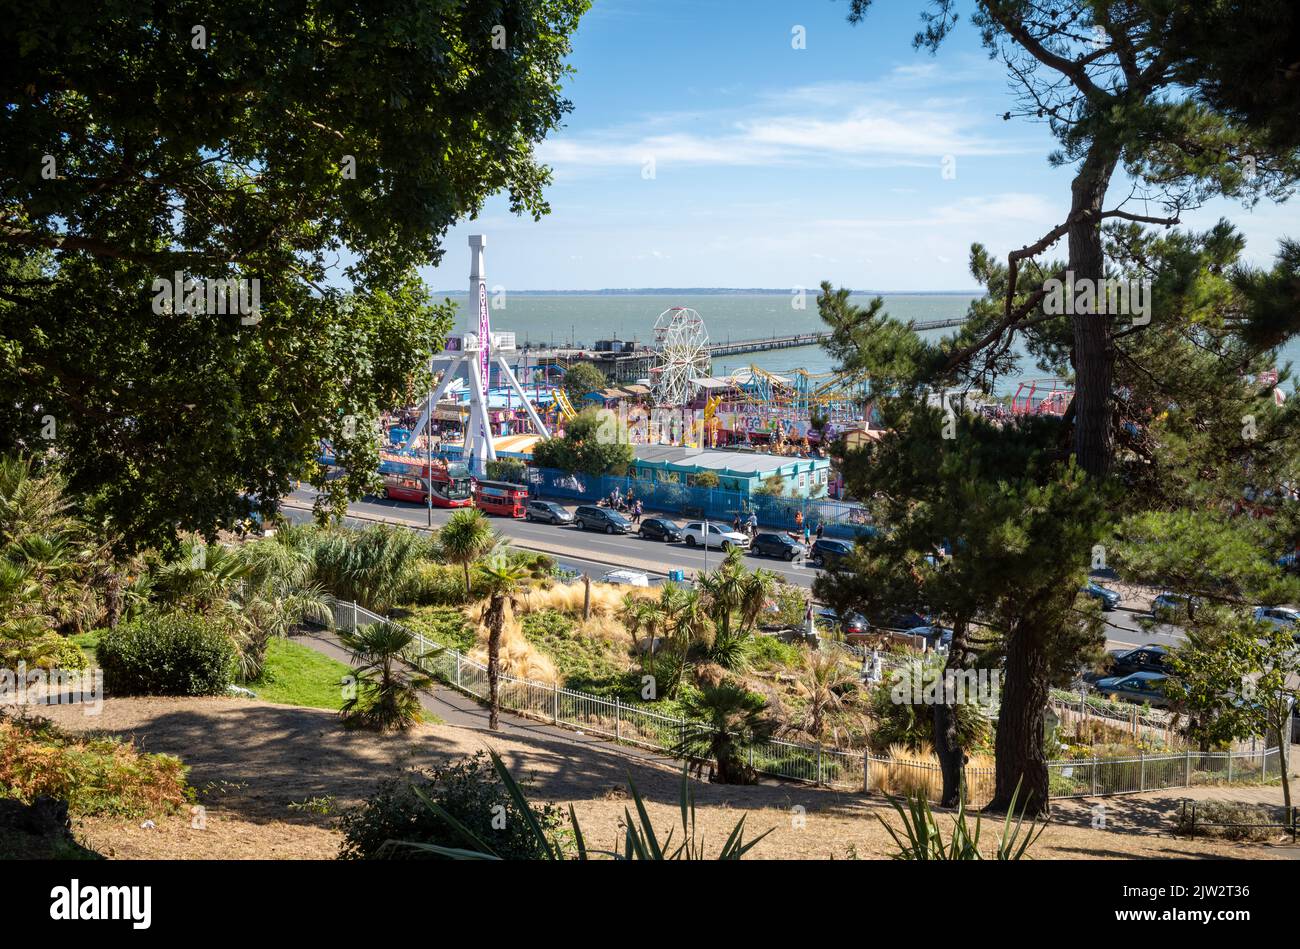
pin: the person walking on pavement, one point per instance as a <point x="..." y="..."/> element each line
<point x="821" y="528"/>
<point x="753" y="524"/>
<point x="636" y="512"/>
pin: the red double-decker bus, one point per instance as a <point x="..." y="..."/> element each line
<point x="452" y="486"/>
<point x="500" y="497"/>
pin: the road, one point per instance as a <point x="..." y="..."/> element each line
<point x="598" y="553"/>
<point x="586" y="548"/>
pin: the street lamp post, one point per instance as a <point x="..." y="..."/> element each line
<point x="428" y="459"/>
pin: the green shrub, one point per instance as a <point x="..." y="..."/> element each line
<point x="444" y="625"/>
<point x="764" y="652"/>
<point x="167" y="654"/>
<point x="69" y="655"/>
<point x="470" y="790"/>
<point x="438" y="585"/>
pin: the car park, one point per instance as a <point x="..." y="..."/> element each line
<point x="1109" y="598"/>
<point x="588" y="517"/>
<point x="771" y="544"/>
<point x="829" y="552"/>
<point x="1142" y="687"/>
<point x="659" y="528"/>
<point x="548" y="512"/>
<point x="718" y="535"/>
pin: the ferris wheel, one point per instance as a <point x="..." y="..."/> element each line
<point x="683" y="355"/>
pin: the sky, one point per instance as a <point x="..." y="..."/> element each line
<point x="705" y="150"/>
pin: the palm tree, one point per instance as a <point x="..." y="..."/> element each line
<point x="384" y="700"/>
<point x="279" y="593"/>
<point x="501" y="579"/>
<point x="202" y="578"/>
<point x="377" y="566"/>
<point x="823" y="680"/>
<point x="730" y="718"/>
<point x="757" y="591"/>
<point x="466" y="537"/>
<point x="639" y="615"/>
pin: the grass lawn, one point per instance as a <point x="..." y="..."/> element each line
<point x="297" y="675"/>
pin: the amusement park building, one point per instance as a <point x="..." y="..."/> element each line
<point x="743" y="471"/>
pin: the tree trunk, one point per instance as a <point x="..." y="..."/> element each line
<point x="467" y="590"/>
<point x="1093" y="358"/>
<point x="952" y="757"/>
<point x="494" y="652"/>
<point x="586" y="597"/>
<point x="1021" y="761"/>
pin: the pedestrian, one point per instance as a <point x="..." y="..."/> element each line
<point x="798" y="519"/>
<point x="636" y="512"/>
<point x="821" y="529"/>
<point x="753" y="523"/>
<point x="735" y="523"/>
<point x="807" y="535"/>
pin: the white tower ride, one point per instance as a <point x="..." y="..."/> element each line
<point x="475" y="353"/>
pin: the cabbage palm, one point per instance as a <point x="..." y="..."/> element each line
<point x="377" y="567"/>
<point x="730" y="719"/>
<point x="384" y="700"/>
<point x="501" y="579"/>
<point x="203" y="577"/>
<point x="465" y="538"/>
<point x="823" y="680"/>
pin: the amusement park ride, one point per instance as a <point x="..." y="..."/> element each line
<point x="475" y="354"/>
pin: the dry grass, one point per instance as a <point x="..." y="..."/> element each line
<point x="517" y="656"/>
<point x="911" y="772"/>
<point x="567" y="598"/>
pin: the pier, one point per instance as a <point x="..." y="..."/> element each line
<point x="633" y="361"/>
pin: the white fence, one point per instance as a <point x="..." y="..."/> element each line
<point x="634" y="724"/>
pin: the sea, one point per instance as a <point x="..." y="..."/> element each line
<point x="578" y="320"/>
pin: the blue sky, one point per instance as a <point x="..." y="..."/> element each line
<point x="780" y="167"/>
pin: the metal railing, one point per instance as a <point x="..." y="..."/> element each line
<point x="634" y="724"/>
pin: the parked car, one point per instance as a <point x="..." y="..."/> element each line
<point x="547" y="511"/>
<point x="718" y="536"/>
<point x="588" y="517"/>
<point x="1145" y="687"/>
<point x="660" y="528"/>
<point x="935" y="636"/>
<point x="902" y="620"/>
<point x="1283" y="617"/>
<point x="829" y="552"/>
<point x="1108" y="597"/>
<point x="778" y="545"/>
<point x="853" y="626"/>
<point x="627" y="578"/>
<point x="1123" y="662"/>
<point x="1168" y="607"/>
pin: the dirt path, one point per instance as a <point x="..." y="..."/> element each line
<point x="251" y="761"/>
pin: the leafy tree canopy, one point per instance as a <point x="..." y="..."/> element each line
<point x="319" y="149"/>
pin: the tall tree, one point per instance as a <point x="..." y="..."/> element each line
<point x="1097" y="72"/>
<point x="316" y="154"/>
<point x="501" y="579"/>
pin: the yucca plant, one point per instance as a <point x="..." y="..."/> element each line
<point x="640" y="841"/>
<point x="922" y="839"/>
